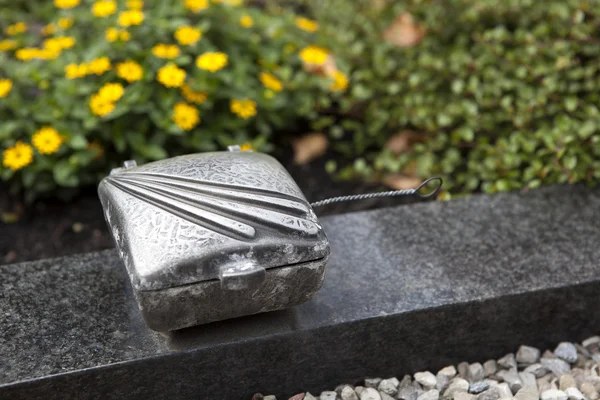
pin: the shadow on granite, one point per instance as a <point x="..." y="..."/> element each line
<point x="406" y="288"/>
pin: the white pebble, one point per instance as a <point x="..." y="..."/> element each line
<point x="574" y="394"/>
<point x="348" y="393"/>
<point x="426" y="379"/>
<point x="389" y="386"/>
<point x="527" y="393"/>
<point x="432" y="394"/>
<point x="503" y="390"/>
<point x="464" y="396"/>
<point x="328" y="395"/>
<point x="370" y="394"/>
<point x="554" y="394"/>
<point x="385" y="396"/>
<point x="449" y="371"/>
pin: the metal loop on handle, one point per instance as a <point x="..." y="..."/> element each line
<point x="425" y="183"/>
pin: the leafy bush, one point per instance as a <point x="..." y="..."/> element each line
<point x="86" y="85"/>
<point x="497" y="95"/>
<point x="493" y="95"/>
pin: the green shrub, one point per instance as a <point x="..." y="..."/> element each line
<point x="85" y="85"/>
<point x="496" y="95"/>
<point x="504" y="94"/>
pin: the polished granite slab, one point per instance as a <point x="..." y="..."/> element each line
<point x="407" y="288"/>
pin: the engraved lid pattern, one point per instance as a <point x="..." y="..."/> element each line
<point x="175" y="221"/>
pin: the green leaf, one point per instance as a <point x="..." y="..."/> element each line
<point x="154" y="152"/>
<point x="78" y="142"/>
<point x="65" y="174"/>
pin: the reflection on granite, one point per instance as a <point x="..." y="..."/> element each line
<point x="406" y="288"/>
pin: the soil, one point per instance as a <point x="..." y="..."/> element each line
<point x="53" y="228"/>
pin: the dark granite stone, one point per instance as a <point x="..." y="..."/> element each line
<point x="407" y="289"/>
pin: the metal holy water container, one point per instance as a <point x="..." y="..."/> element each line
<point x="212" y="236"/>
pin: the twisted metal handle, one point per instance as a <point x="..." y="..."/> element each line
<point x="390" y="193"/>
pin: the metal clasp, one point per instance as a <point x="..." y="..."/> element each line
<point x="241" y="275"/>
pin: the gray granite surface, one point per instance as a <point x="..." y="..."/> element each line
<point x="406" y="288"/>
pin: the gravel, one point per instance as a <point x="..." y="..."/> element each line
<point x="527" y="355"/>
<point x="476" y="372"/>
<point x="348" y="393"/>
<point x="508" y="361"/>
<point x="503" y="390"/>
<point x="574" y="394"/>
<point x="570" y="372"/>
<point x="372" y="382"/>
<point x="479" y="387"/>
<point x="538" y="370"/>
<point x="389" y="386"/>
<point x="432" y="394"/>
<point x="567" y="351"/>
<point x="328" y="396"/>
<point x="556" y="365"/>
<point x="554" y="394"/>
<point x="490" y="367"/>
<point x="370" y="394"/>
<point x="426" y="379"/>
<point x="511" y="376"/>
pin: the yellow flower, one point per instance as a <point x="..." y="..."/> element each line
<point x="66" y="42"/>
<point x="243" y="108"/>
<point x="171" y="76"/>
<point x="185" y="116"/>
<point x="271" y="82"/>
<point x="196" y="5"/>
<point x="192" y="96"/>
<point x="162" y="50"/>
<point x="52" y="44"/>
<point x="15" y="29"/>
<point x="111" y="91"/>
<point x="28" y="53"/>
<point x="307" y="24"/>
<point x="131" y="17"/>
<point x="5" y="87"/>
<point x="246" y="147"/>
<point x="340" y="82"/>
<point x="65" y="23"/>
<point x="59" y="43"/>
<point x="48" y="54"/>
<point x="99" y="66"/>
<point x="73" y="71"/>
<point x="100" y="105"/>
<point x="124" y="36"/>
<point x="246" y="21"/>
<point x="18" y="156"/>
<point x="104" y="8"/>
<point x="47" y="140"/>
<point x="314" y="55"/>
<point x="111" y="34"/>
<point x="211" y="61"/>
<point x="130" y="71"/>
<point x="48" y="30"/>
<point x="66" y="3"/>
<point x="135" y="4"/>
<point x="7" y="45"/>
<point x="187" y="35"/>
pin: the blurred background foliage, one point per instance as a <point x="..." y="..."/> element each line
<point x="493" y="96"/>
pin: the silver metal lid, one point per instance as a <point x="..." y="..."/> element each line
<point x="221" y="215"/>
